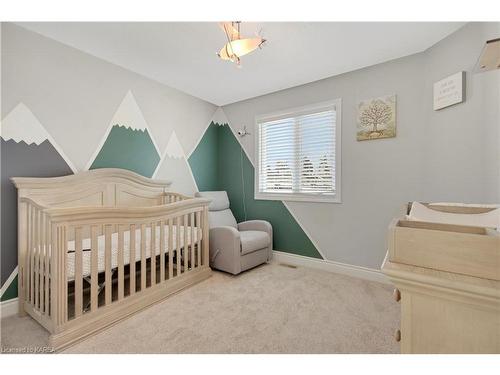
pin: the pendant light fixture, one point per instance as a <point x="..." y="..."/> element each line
<point x="490" y="56"/>
<point x="237" y="46"/>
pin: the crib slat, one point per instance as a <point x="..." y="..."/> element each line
<point x="185" y="247"/>
<point x="178" y="245"/>
<point x="191" y="244"/>
<point x="108" y="286"/>
<point x="59" y="282"/>
<point x="78" y="273"/>
<point x="39" y="260"/>
<point x="170" y="251"/>
<point x="56" y="299"/>
<point x="143" y="257"/>
<point x="198" y="237"/>
<point x="94" y="282"/>
<point x="41" y="239"/>
<point x="62" y="300"/>
<point x="54" y="276"/>
<point x="63" y="250"/>
<point x="132" y="260"/>
<point x="48" y="279"/>
<point x="205" y="255"/>
<point x="32" y="254"/>
<point x="162" y="251"/>
<point x="121" y="276"/>
<point x="42" y="262"/>
<point x="152" y="253"/>
<point x="27" y="260"/>
<point x="36" y="257"/>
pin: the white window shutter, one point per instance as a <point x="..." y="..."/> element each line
<point x="297" y="153"/>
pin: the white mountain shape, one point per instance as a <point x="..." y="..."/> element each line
<point x="174" y="148"/>
<point x="177" y="170"/>
<point x="22" y="125"/>
<point x="129" y="114"/>
<point x="219" y="117"/>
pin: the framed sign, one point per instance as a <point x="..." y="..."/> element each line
<point x="449" y="91"/>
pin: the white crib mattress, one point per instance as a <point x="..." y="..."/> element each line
<point x="86" y="244"/>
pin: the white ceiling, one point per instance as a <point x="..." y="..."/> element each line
<point x="183" y="54"/>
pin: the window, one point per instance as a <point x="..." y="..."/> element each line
<point x="298" y="154"/>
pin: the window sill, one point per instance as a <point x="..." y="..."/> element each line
<point x="297" y="198"/>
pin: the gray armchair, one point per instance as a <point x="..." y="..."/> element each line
<point x="235" y="247"/>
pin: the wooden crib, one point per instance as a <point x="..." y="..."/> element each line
<point x="97" y="246"/>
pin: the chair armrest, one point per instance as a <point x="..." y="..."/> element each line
<point x="225" y="249"/>
<point x="224" y="239"/>
<point x="260" y="225"/>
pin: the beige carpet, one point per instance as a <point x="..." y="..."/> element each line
<point x="270" y="309"/>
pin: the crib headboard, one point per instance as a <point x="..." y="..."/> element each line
<point x="110" y="187"/>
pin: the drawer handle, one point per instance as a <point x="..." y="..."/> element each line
<point x="397" y="295"/>
<point x="397" y="335"/>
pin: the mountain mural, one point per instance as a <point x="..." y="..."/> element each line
<point x="27" y="150"/>
<point x="128" y="142"/>
<point x="217" y="163"/>
<point x="220" y="163"/>
<point x="174" y="167"/>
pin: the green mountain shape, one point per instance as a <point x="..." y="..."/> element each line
<point x="11" y="291"/>
<point x="130" y="149"/>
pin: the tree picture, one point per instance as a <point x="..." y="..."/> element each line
<point x="377" y="118"/>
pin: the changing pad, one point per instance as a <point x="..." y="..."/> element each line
<point x="420" y="212"/>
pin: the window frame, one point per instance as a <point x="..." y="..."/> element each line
<point x="293" y="112"/>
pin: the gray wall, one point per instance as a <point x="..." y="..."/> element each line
<point x="461" y="147"/>
<point x="75" y="95"/>
<point x="450" y="155"/>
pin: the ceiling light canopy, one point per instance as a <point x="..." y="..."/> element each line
<point x="237" y="46"/>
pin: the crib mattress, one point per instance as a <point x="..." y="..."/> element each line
<point x="86" y="244"/>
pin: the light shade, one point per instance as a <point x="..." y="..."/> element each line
<point x="237" y="46"/>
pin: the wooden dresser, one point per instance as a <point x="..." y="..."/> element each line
<point x="447" y="280"/>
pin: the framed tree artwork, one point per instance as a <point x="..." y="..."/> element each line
<point x="377" y="118"/>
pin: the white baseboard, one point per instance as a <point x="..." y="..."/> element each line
<point x="8" y="308"/>
<point x="330" y="266"/>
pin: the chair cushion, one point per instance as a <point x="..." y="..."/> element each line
<point x="222" y="218"/>
<point x="253" y="240"/>
<point x="219" y="202"/>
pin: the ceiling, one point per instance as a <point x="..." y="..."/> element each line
<point x="183" y="54"/>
